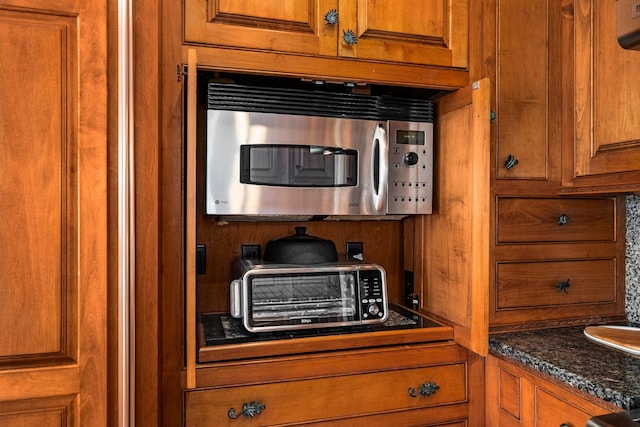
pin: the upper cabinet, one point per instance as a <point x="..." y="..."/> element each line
<point x="522" y="51"/>
<point x="421" y="33"/>
<point x="293" y="26"/>
<point x="602" y="101"/>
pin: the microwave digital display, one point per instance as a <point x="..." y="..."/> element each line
<point x="410" y="137"/>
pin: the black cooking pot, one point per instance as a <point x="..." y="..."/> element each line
<point x="300" y="248"/>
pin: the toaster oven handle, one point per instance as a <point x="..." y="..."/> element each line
<point x="235" y="299"/>
<point x="380" y="168"/>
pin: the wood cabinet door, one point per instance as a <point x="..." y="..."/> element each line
<point x="425" y="32"/>
<point x="53" y="193"/>
<point x="606" y="96"/>
<point x="524" y="64"/>
<point x="452" y="269"/>
<point x="294" y="26"/>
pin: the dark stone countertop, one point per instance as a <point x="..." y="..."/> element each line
<point x="567" y="355"/>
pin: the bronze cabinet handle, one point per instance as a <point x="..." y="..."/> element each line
<point x="563" y="286"/>
<point x="349" y="37"/>
<point x="331" y="17"/>
<point x="510" y="162"/>
<point x="426" y="389"/>
<point x="249" y="410"/>
<point x="563" y="219"/>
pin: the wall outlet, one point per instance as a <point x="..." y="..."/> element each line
<point x="355" y="251"/>
<point x="250" y="251"/>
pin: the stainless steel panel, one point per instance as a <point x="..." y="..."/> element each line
<point x="410" y="179"/>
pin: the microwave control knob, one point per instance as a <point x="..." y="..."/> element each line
<point x="410" y="158"/>
<point x="373" y="309"/>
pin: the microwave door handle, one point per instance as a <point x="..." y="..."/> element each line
<point x="379" y="168"/>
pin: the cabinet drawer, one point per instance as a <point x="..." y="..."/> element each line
<point x="325" y="398"/>
<point x="522" y="220"/>
<point x="539" y="284"/>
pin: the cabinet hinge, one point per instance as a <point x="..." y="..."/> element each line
<point x="181" y="70"/>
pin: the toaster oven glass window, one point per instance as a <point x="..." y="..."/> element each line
<point x="298" y="166"/>
<point x="303" y="298"/>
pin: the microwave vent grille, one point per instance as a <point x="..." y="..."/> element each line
<point x="225" y="96"/>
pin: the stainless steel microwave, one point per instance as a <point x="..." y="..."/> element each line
<point x="275" y="163"/>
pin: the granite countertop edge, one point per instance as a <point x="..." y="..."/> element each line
<point x="568" y="356"/>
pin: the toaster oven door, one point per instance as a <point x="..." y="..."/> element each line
<point x="298" y="300"/>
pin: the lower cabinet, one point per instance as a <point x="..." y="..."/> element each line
<point x="517" y="396"/>
<point x="557" y="260"/>
<point x="318" y="393"/>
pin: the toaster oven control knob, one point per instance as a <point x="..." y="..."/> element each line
<point x="373" y="309"/>
<point x="410" y="158"/>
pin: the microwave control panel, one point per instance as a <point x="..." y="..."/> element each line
<point x="372" y="295"/>
<point x="410" y="182"/>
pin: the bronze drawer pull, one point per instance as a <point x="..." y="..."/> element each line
<point x="249" y="410"/>
<point x="510" y="162"/>
<point x="563" y="286"/>
<point x="426" y="390"/>
<point x="564" y="218"/>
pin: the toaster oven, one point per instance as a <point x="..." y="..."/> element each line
<point x="279" y="297"/>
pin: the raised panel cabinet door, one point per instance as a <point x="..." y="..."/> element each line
<point x="606" y="94"/>
<point x="53" y="223"/>
<point x="527" y="87"/>
<point x="424" y="32"/>
<point x="293" y="26"/>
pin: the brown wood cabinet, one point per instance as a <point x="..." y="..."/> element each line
<point x="558" y="259"/>
<point x="601" y="129"/>
<point x="420" y="32"/>
<point x="167" y="291"/>
<point x="53" y="193"/>
<point x="422" y="43"/>
<point x="541" y="239"/>
<point x="406" y="384"/>
<point x="518" y="396"/>
<point x="522" y="51"/>
<point x="466" y="116"/>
